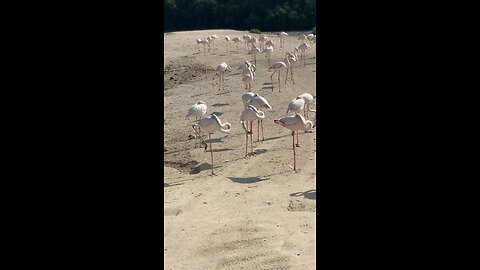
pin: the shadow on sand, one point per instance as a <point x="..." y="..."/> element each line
<point x="171" y="185"/>
<point x="247" y="180"/>
<point x="203" y="167"/>
<point x="309" y="194"/>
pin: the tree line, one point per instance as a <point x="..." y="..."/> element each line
<point x="266" y="15"/>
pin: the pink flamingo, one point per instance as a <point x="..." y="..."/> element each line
<point x="236" y="40"/>
<point x="197" y="110"/>
<point x="296" y="106"/>
<point x="221" y="68"/>
<point x="227" y="39"/>
<point x="289" y="58"/>
<point x="248" y="116"/>
<point x="283" y="36"/>
<point x="254" y="51"/>
<point x="278" y="66"/>
<point x="308" y="100"/>
<point x="211" y="124"/>
<point x="294" y="123"/>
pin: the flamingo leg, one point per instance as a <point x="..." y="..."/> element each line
<point x="211" y="152"/>
<point x="286" y="77"/>
<point x="298" y="145"/>
<point x="201" y="138"/>
<point x="271" y="80"/>
<point x="258" y="130"/>
<point x="246" y="142"/>
<point x="291" y="72"/>
<point x="261" y="122"/>
<point x="251" y="138"/>
<point x="279" y="81"/>
<point x="294" y="152"/>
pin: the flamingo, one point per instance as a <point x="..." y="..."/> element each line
<point x="199" y="41"/>
<point x="296" y="106"/>
<point x="258" y="102"/>
<point x="227" y="39"/>
<point x="302" y="47"/>
<point x="252" y="41"/>
<point x="213" y="38"/>
<point x="221" y="68"/>
<point x="197" y="110"/>
<point x="254" y="51"/>
<point x="246" y="39"/>
<point x="314" y="39"/>
<point x="267" y="51"/>
<point x="308" y="99"/>
<point x="205" y="42"/>
<point x="278" y="66"/>
<point x="294" y="123"/>
<point x="211" y="124"/>
<point x="262" y="39"/>
<point x="282" y="35"/>
<point x="248" y="74"/>
<point x="289" y="57"/>
<point x="248" y="116"/>
<point x="236" y="40"/>
<point x="269" y="43"/>
<point x="210" y="42"/>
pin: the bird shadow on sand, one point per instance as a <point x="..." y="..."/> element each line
<point x="309" y="194"/>
<point x="220" y="104"/>
<point x="222" y="150"/>
<point x="247" y="180"/>
<point x="278" y="137"/>
<point x="203" y="167"/>
<point x="260" y="151"/>
<point x="171" y="185"/>
<point x="310" y="64"/>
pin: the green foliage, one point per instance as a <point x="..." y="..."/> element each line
<point x="268" y="15"/>
<point x="255" y="31"/>
<point x="314" y="31"/>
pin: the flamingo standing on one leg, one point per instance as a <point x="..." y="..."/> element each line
<point x="248" y="74"/>
<point x="278" y="66"/>
<point x="308" y="100"/>
<point x="197" y="110"/>
<point x="221" y="68"/>
<point x="248" y="116"/>
<point x="227" y="39"/>
<point x="296" y="106"/>
<point x="294" y="123"/>
<point x="199" y="41"/>
<point x="211" y="124"/>
<point x="236" y="40"/>
<point x="283" y="36"/>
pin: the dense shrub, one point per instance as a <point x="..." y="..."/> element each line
<point x="255" y="31"/>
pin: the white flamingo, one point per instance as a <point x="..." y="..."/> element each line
<point x="289" y="59"/>
<point x="205" y="42"/>
<point x="303" y="37"/>
<point x="283" y="36"/>
<point x="261" y="40"/>
<point x="197" y="110"/>
<point x="246" y="39"/>
<point x="199" y="41"/>
<point x="211" y="124"/>
<point x="213" y="38"/>
<point x="254" y="51"/>
<point x="268" y="51"/>
<point x="302" y="47"/>
<point x="308" y="100"/>
<point x="296" y="106"/>
<point x="236" y="40"/>
<point x="227" y="39"/>
<point x="220" y="71"/>
<point x="278" y="66"/>
<point x="294" y="123"/>
<point x="248" y="74"/>
<point x="314" y="40"/>
<point x="258" y="102"/>
<point x="252" y="41"/>
<point x="249" y="115"/>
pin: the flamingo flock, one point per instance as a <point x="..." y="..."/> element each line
<point x="255" y="105"/>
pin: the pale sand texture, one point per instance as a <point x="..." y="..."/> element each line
<point x="257" y="213"/>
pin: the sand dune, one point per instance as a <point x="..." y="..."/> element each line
<point x="257" y="213"/>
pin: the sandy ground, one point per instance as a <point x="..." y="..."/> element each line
<point x="257" y="213"/>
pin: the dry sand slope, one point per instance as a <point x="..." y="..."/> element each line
<point x="257" y="213"/>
